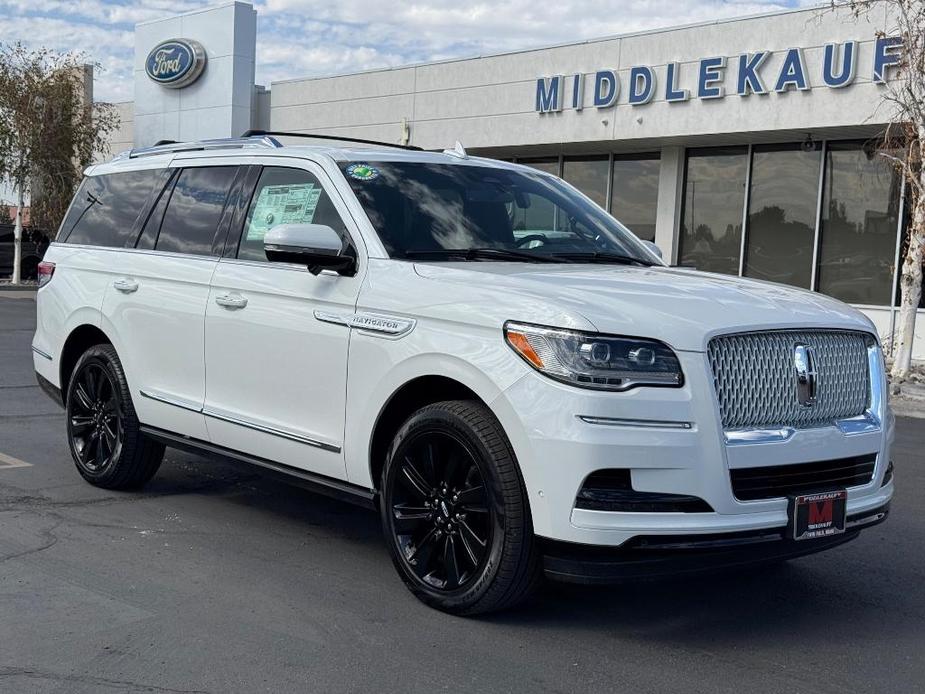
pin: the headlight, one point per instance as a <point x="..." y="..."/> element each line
<point x="592" y="360"/>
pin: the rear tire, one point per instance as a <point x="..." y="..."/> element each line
<point x="455" y="513"/>
<point x="103" y="431"/>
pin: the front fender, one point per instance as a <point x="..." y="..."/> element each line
<point x="379" y="367"/>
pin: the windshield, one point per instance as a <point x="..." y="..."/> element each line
<point x="464" y="212"/>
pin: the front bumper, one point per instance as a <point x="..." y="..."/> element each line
<point x="672" y="442"/>
<point x="672" y="555"/>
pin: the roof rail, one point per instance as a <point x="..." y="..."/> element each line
<point x="166" y="146"/>
<point x="336" y="138"/>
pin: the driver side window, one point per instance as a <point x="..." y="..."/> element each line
<point x="285" y="195"/>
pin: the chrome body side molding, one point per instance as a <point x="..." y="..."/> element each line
<point x="263" y="428"/>
<point x="42" y="354"/>
<point x="171" y="400"/>
<point x="234" y="419"/>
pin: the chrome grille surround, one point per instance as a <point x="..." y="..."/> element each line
<point x="755" y="378"/>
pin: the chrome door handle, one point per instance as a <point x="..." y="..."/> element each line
<point x="231" y="300"/>
<point x="125" y="285"/>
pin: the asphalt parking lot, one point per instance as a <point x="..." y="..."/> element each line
<point x="215" y="579"/>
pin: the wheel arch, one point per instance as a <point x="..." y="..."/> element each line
<point x="78" y="341"/>
<point x="411" y="396"/>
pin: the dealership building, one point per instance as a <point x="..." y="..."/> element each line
<point x="742" y="146"/>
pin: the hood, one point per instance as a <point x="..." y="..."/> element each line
<point x="681" y="307"/>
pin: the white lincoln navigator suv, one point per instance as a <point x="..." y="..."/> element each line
<point x="474" y="348"/>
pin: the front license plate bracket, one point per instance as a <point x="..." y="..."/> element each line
<point x="822" y="514"/>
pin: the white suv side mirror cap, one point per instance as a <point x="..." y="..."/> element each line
<point x="316" y="246"/>
<point x="315" y="238"/>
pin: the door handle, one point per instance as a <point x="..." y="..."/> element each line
<point x="125" y="285"/>
<point x="231" y="300"/>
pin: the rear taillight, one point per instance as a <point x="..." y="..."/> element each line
<point x="46" y="272"/>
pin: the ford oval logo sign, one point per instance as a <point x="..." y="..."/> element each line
<point x="176" y="63"/>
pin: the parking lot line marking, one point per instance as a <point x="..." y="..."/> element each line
<point x="10" y="461"/>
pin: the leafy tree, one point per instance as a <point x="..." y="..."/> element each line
<point x="48" y="132"/>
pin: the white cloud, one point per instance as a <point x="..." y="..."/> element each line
<point x="308" y="37"/>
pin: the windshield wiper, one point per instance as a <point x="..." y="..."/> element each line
<point x="602" y="257"/>
<point x="481" y="254"/>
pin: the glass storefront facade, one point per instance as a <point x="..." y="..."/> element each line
<point x="860" y="209"/>
<point x="625" y="184"/>
<point x="634" y="199"/>
<point x="817" y="215"/>
<point x="781" y="222"/>
<point x="712" y="210"/>
<point x="820" y="216"/>
<point x="589" y="175"/>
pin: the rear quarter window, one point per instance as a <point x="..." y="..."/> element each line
<point x="106" y="208"/>
<point x="195" y="209"/>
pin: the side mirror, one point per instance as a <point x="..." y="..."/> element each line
<point x="654" y="249"/>
<point x="316" y="246"/>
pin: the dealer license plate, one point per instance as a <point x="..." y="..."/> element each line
<point x="818" y="515"/>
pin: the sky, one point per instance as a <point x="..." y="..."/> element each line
<point x="305" y="38"/>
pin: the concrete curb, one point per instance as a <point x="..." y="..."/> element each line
<point x="910" y="402"/>
<point x="905" y="407"/>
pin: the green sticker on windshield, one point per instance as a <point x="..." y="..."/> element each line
<point x="362" y="172"/>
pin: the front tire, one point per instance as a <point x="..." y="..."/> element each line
<point x="455" y="513"/>
<point x="103" y="431"/>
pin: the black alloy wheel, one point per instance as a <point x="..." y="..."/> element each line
<point x="454" y="511"/>
<point x="94" y="418"/>
<point x="103" y="431"/>
<point x="440" y="509"/>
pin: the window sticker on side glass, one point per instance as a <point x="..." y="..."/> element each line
<point x="284" y="204"/>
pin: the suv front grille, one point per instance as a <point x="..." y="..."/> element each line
<point x="755" y="378"/>
<point x="749" y="484"/>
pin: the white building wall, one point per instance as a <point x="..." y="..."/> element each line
<point x="489" y="102"/>
<point x="123" y="137"/>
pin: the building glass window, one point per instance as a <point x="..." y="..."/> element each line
<point x="549" y="164"/>
<point x="782" y="214"/>
<point x="635" y="192"/>
<point x="711" y="216"/>
<point x="589" y="175"/>
<point x="860" y="206"/>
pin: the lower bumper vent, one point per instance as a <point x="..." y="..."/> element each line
<point x="750" y="484"/>
<point x="612" y="490"/>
